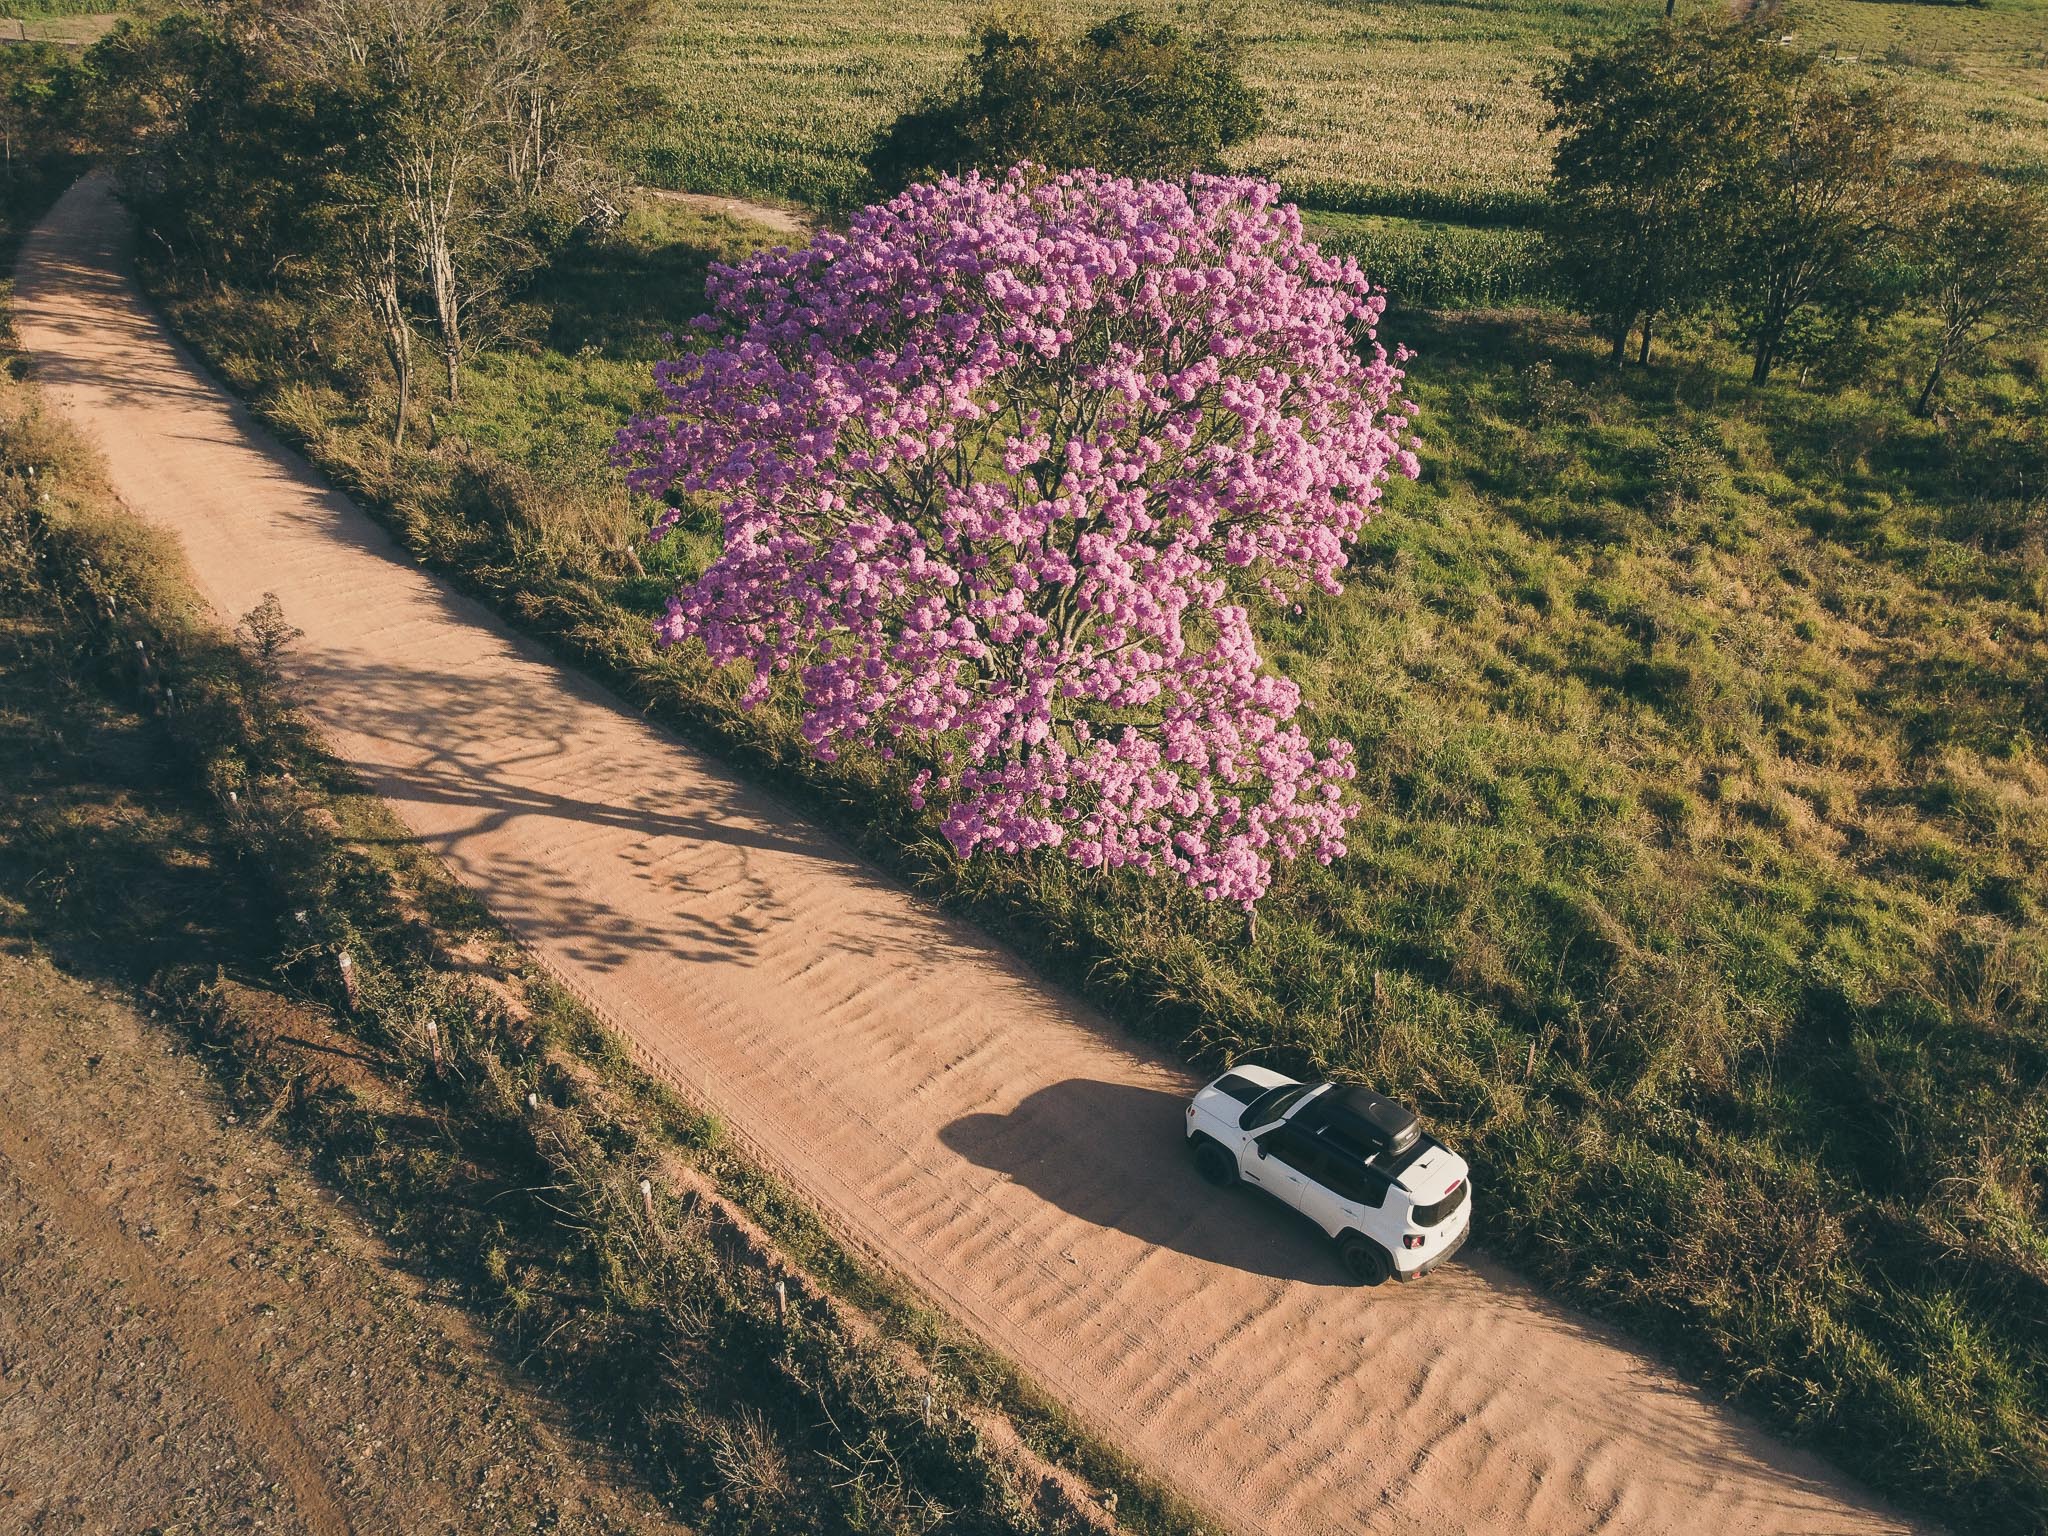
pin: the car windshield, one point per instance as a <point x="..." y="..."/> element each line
<point x="1270" y="1106"/>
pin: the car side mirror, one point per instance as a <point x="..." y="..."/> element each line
<point x="1261" y="1146"/>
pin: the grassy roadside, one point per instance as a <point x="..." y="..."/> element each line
<point x="168" y="824"/>
<point x="1699" y="888"/>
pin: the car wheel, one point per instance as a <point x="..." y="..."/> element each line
<point x="1215" y="1164"/>
<point x="1365" y="1261"/>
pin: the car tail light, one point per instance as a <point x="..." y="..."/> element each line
<point x="1191" y="1111"/>
<point x="1413" y="1240"/>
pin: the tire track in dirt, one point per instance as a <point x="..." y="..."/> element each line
<point x="45" y="1184"/>
<point x="992" y="1139"/>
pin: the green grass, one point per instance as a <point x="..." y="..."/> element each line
<point x="1409" y="107"/>
<point x="1699" y="886"/>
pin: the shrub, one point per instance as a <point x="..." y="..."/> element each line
<point x="1142" y="98"/>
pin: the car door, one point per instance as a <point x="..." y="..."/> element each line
<point x="1358" y="1193"/>
<point x="1293" y="1169"/>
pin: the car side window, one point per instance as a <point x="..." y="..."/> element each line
<point x="1296" y="1151"/>
<point x="1353" y="1181"/>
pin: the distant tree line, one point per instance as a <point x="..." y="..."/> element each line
<point x="410" y="159"/>
<point x="1704" y="164"/>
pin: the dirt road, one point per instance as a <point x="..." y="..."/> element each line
<point x="993" y="1140"/>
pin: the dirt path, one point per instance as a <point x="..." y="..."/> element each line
<point x="781" y="220"/>
<point x="195" y="1338"/>
<point x="996" y="1141"/>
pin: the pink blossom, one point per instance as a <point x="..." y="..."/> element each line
<point x="1004" y="472"/>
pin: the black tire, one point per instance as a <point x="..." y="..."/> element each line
<point x="1364" y="1260"/>
<point x="1215" y="1164"/>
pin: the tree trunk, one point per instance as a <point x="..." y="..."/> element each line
<point x="1618" y="352"/>
<point x="447" y="306"/>
<point x="402" y="367"/>
<point x="377" y="283"/>
<point x="1760" y="372"/>
<point x="1926" y="400"/>
<point x="1643" y="357"/>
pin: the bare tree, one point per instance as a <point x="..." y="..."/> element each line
<point x="483" y="120"/>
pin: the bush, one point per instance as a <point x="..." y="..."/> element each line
<point x="1127" y="95"/>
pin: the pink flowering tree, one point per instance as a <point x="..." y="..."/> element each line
<point x="1005" y="470"/>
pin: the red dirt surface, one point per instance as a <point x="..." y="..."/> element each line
<point x="194" y="1338"/>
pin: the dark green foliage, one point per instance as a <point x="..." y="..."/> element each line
<point x="1648" y="179"/>
<point x="1439" y="266"/>
<point x="225" y="162"/>
<point x="1514" y="212"/>
<point x="38" y="105"/>
<point x="1708" y="162"/>
<point x="1129" y="95"/>
<point x="40" y="142"/>
<point x="1978" y="259"/>
<point x="1821" y="196"/>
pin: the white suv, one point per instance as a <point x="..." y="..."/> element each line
<point x="1394" y="1200"/>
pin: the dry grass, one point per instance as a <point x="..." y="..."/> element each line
<point x="1411" y="107"/>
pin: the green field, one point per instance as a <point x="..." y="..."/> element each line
<point x="35" y="10"/>
<point x="1416" y="107"/>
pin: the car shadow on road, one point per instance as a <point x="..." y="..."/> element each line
<point x="1115" y="1156"/>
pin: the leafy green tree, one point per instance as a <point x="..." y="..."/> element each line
<point x="1128" y="96"/>
<point x="1655" y="131"/>
<point x="221" y="159"/>
<point x="1980" y="250"/>
<point x="1820" y="195"/>
<point x="38" y="90"/>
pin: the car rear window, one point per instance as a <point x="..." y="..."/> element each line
<point x="1242" y="1089"/>
<point x="1442" y="1210"/>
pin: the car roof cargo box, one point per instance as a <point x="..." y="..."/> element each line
<point x="1372" y="1120"/>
